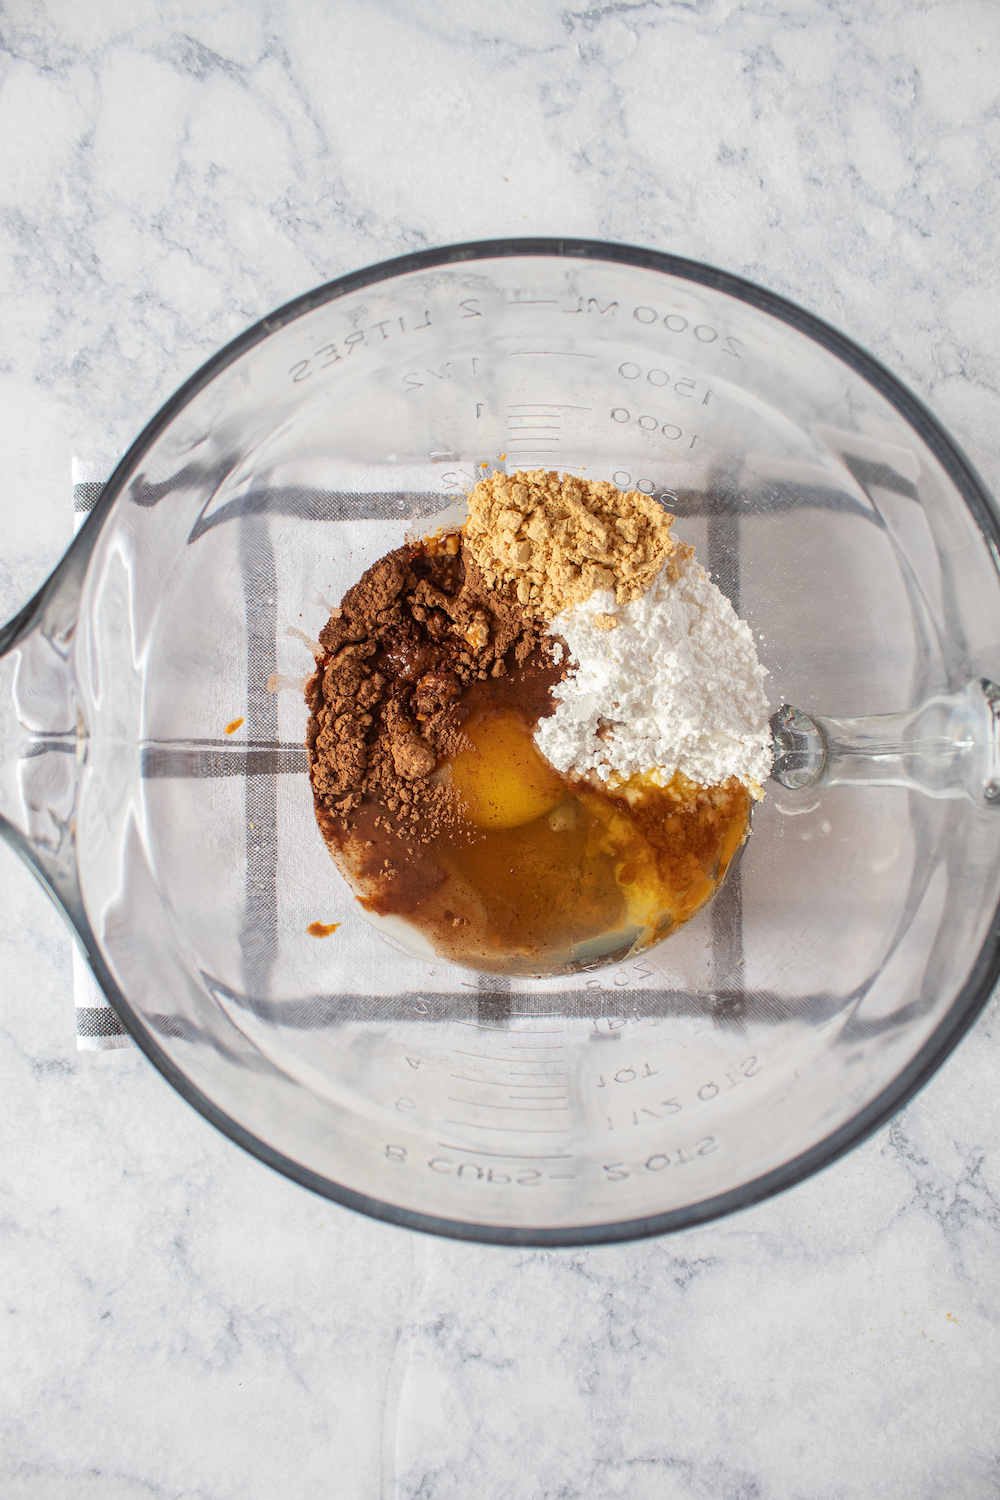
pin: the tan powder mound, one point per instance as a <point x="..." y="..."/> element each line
<point x="558" y="540"/>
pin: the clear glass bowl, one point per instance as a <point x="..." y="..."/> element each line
<point x="841" y="960"/>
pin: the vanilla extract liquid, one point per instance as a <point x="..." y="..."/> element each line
<point x="540" y="874"/>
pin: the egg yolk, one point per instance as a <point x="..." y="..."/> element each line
<point x="503" y="780"/>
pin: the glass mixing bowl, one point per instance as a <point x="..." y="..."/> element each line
<point x="842" y="959"/>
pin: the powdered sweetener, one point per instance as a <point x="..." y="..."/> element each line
<point x="674" y="686"/>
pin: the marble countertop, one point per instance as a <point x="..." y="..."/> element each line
<point x="181" y="1322"/>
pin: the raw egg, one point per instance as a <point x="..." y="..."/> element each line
<point x="504" y="781"/>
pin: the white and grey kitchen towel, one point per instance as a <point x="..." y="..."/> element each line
<point x="372" y="510"/>
<point x="98" y="1028"/>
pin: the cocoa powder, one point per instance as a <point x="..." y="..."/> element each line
<point x="385" y="701"/>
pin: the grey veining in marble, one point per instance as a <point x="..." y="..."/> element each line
<point x="179" y="1322"/>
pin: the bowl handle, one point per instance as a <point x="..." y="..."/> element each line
<point x="947" y="747"/>
<point x="42" y="730"/>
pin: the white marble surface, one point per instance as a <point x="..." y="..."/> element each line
<point x="180" y="1322"/>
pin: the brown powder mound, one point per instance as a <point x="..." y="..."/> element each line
<point x="555" y="541"/>
<point x="385" y="707"/>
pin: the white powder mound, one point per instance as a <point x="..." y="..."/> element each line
<point x="678" y="682"/>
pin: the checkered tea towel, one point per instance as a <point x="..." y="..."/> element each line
<point x="98" y="1029"/>
<point x="373" y="509"/>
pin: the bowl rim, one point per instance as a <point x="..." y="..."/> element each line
<point x="985" y="971"/>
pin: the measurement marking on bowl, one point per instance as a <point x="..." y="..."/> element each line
<point x="496" y="1057"/>
<point x="499" y="1057"/>
<point x="504" y="1083"/>
<point x="483" y="1026"/>
<point x="526" y="1104"/>
<point x="510" y="1078"/>
<point x="541" y="1031"/>
<point x="464" y="1078"/>
<point x="534" y="428"/>
<point x="523" y="1108"/>
<point x="511" y="1129"/>
<point x="542" y="1098"/>
<point x="552" y="1077"/>
<point x="507" y="1080"/>
<point x="493" y="1084"/>
<point x="552" y="1080"/>
<point x="550" y="354"/>
<point x="516" y="1073"/>
<point x="499" y="1083"/>
<point x="520" y="1031"/>
<point x="506" y="1155"/>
